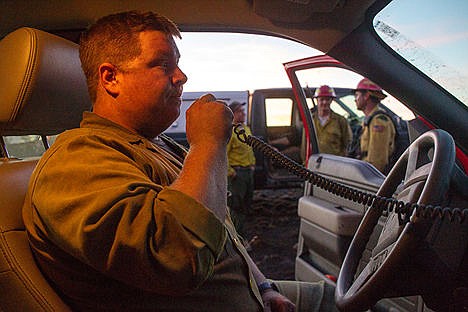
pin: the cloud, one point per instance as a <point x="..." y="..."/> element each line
<point x="443" y="39"/>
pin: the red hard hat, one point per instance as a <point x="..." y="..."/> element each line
<point x="366" y="84"/>
<point x="324" y="91"/>
<point x="372" y="87"/>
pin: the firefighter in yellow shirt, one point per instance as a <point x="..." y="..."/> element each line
<point x="333" y="131"/>
<point x="241" y="166"/>
<point x="377" y="140"/>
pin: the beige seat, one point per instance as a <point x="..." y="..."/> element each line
<point x="43" y="92"/>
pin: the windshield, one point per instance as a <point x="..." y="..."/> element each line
<point x="433" y="36"/>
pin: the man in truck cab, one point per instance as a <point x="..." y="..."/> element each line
<point x="117" y="219"/>
<point x="377" y="138"/>
<point x="333" y="131"/>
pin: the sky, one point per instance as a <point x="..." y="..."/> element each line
<point x="445" y="24"/>
<point x="232" y="62"/>
<point x="433" y="34"/>
<point x="241" y="62"/>
<point x="235" y="62"/>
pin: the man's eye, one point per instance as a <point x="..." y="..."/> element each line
<point x="167" y="66"/>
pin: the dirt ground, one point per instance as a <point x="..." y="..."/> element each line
<point x="275" y="222"/>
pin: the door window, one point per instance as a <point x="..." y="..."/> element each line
<point x="311" y="78"/>
<point x="278" y="112"/>
<point x="24" y="146"/>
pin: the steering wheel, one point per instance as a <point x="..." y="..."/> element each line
<point x="393" y="269"/>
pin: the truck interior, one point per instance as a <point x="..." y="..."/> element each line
<point x="381" y="255"/>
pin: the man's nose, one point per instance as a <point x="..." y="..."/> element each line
<point x="179" y="77"/>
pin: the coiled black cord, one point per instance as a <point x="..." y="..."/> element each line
<point x="377" y="202"/>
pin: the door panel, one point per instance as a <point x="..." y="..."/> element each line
<point x="328" y="222"/>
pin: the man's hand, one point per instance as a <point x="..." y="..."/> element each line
<point x="203" y="176"/>
<point x="273" y="301"/>
<point x="208" y="121"/>
<point x="232" y="174"/>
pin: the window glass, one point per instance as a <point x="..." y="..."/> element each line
<point x="51" y="139"/>
<point x="338" y="109"/>
<point x="221" y="63"/>
<point x="312" y="78"/>
<point x="278" y="112"/>
<point x="432" y="35"/>
<point x="237" y="61"/>
<point x="24" y="146"/>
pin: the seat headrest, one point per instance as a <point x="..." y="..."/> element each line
<point x="42" y="86"/>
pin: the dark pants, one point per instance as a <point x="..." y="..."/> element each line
<point x="241" y="187"/>
<point x="314" y="297"/>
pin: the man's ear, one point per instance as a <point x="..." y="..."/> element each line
<point x="108" y="79"/>
<point x="366" y="95"/>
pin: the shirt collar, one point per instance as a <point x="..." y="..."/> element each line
<point x="94" y="121"/>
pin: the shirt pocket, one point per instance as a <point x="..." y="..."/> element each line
<point x="333" y="137"/>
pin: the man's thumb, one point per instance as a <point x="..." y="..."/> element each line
<point x="206" y="98"/>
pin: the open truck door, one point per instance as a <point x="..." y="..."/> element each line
<point x="328" y="222"/>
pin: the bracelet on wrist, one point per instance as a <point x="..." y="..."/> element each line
<point x="264" y="286"/>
